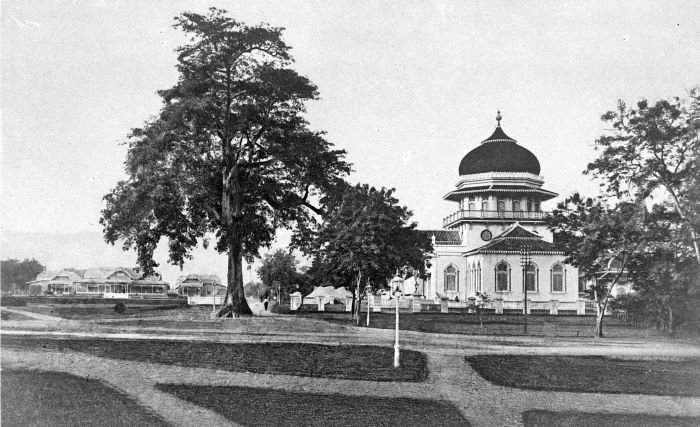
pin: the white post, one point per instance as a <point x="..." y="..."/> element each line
<point x="368" y="294"/>
<point x="367" y="311"/>
<point x="396" y="344"/>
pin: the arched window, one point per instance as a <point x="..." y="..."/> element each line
<point x="484" y="205"/>
<point x="478" y="276"/>
<point x="502" y="277"/>
<point x="516" y="205"/>
<point x="558" y="278"/>
<point x="582" y="285"/>
<point x="451" y="278"/>
<point x="532" y="277"/>
<point x="471" y="205"/>
<point x="468" y="277"/>
<point x="501" y="205"/>
<point x="529" y="205"/>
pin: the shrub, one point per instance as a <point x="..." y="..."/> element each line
<point x="119" y="307"/>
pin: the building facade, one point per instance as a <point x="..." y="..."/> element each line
<point x="499" y="222"/>
<point x="104" y="282"/>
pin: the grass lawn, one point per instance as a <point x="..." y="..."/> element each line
<point x="310" y="360"/>
<point x="267" y="407"/>
<point x="106" y="311"/>
<point x="538" y="418"/>
<point x="591" y="374"/>
<point x="468" y="324"/>
<point x="6" y="315"/>
<point x="57" y="399"/>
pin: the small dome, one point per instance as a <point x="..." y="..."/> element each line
<point x="499" y="153"/>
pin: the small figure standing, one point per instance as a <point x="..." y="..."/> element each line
<point x="266" y="301"/>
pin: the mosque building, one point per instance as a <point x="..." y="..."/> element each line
<point x="498" y="222"/>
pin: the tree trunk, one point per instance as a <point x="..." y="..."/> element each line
<point x="237" y="300"/>
<point x="599" y="324"/>
<point x="231" y="212"/>
<point x="601" y="312"/>
<point x="671" y="325"/>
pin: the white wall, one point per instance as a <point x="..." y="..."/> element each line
<point x="544" y="264"/>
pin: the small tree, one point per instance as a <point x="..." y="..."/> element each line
<point x="482" y="300"/>
<point x="366" y="237"/>
<point x="279" y="271"/>
<point x="14" y="274"/>
<point x="591" y="234"/>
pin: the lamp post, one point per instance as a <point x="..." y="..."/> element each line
<point x="249" y="260"/>
<point x="368" y="291"/>
<point x="525" y="259"/>
<point x="397" y="286"/>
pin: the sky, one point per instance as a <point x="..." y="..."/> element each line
<point x="407" y="88"/>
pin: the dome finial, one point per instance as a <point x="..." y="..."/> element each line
<point x="498" y="118"/>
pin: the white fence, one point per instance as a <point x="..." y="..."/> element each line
<point x="209" y="300"/>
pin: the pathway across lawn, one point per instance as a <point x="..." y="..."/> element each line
<point x="451" y="382"/>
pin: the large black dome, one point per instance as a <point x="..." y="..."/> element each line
<point x="499" y="153"/>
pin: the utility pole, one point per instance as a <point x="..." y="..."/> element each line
<point x="525" y="259"/>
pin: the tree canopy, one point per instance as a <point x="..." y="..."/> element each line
<point x="648" y="214"/>
<point x="279" y="271"/>
<point x="15" y="273"/>
<point x="655" y="146"/>
<point x="366" y="237"/>
<point x="229" y="155"/>
<point x="591" y="234"/>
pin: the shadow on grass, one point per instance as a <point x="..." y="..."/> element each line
<point x="537" y="418"/>
<point x="591" y="374"/>
<point x="38" y="398"/>
<point x="267" y="407"/>
<point x="309" y="360"/>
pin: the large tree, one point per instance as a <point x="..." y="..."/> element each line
<point x="592" y="234"/>
<point x="366" y="236"/>
<point x="229" y="153"/>
<point x="655" y="146"/>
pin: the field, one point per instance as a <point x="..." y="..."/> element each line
<point x="465" y="324"/>
<point x="538" y="418"/>
<point x="469" y="324"/>
<point x="106" y="311"/>
<point x="591" y="374"/>
<point x="313" y="360"/>
<point x="38" y="398"/>
<point x="255" y="406"/>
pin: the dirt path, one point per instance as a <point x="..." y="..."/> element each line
<point x="450" y="378"/>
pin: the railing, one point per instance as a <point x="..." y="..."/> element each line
<point x="484" y="214"/>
